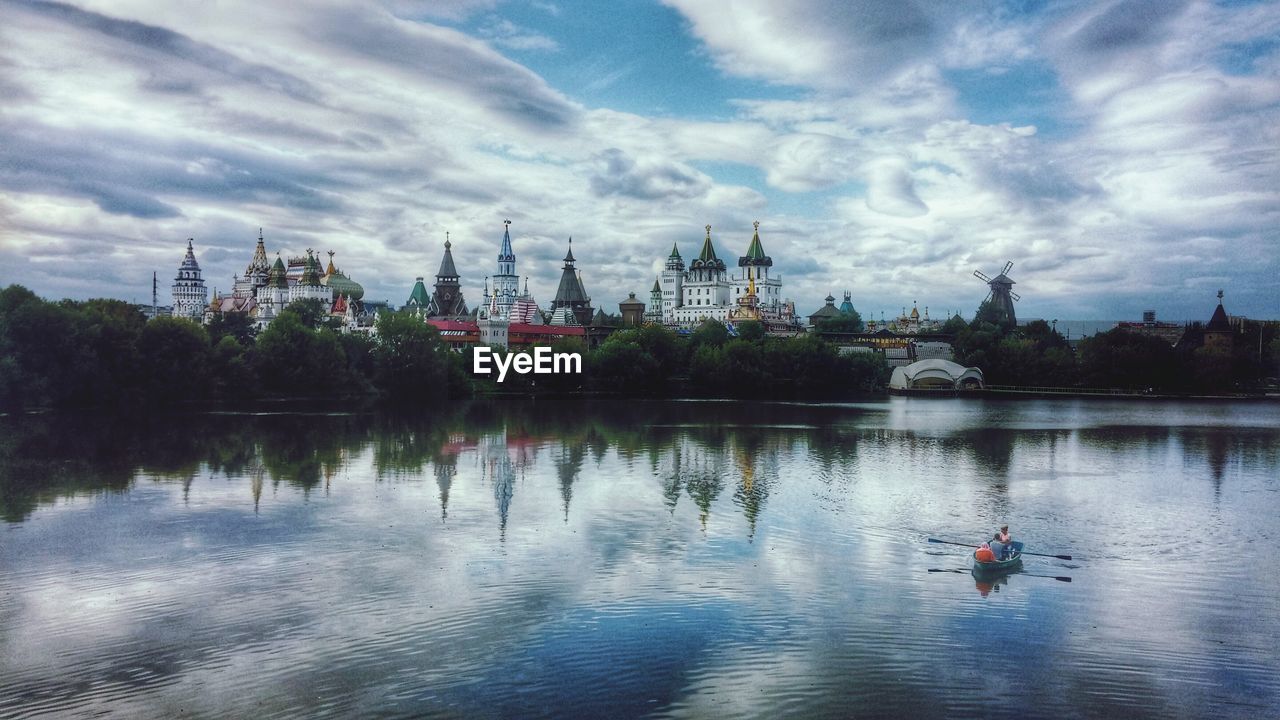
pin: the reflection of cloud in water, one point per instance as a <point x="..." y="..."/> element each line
<point x="792" y="581"/>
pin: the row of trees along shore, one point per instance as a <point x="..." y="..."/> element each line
<point x="105" y="353"/>
<point x="1036" y="355"/>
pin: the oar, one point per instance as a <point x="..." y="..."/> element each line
<point x="1024" y="552"/>
<point x="1060" y="578"/>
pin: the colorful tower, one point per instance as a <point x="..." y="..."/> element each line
<point x="255" y="275"/>
<point x="190" y="296"/>
<point x="506" y="285"/>
<point x="308" y="286"/>
<point x="274" y="296"/>
<point x="756" y="265"/>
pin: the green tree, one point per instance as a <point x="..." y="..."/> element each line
<point x="175" y="355"/>
<point x="231" y="375"/>
<point x="1121" y="359"/>
<point x="410" y="364"/>
<point x="312" y="312"/>
<point x="292" y="359"/>
<point x="751" y="331"/>
<point x="45" y="361"/>
<point x="848" y="323"/>
<point x="710" y="332"/>
<point x="236" y="325"/>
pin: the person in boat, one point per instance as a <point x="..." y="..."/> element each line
<point x="999" y="549"/>
<point x="984" y="553"/>
<point x="1003" y="535"/>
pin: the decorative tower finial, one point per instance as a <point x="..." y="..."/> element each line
<point x="446" y="240"/>
<point x="1219" y="295"/>
<point x="506" y="222"/>
<point x="259" y="233"/>
<point x="708" y="231"/>
<point x="756" y="225"/>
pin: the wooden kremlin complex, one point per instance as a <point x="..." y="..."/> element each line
<point x="682" y="297"/>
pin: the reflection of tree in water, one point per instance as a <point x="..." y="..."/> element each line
<point x="833" y="450"/>
<point x="1223" y="449"/>
<point x="992" y="451"/>
<point x="403" y="445"/>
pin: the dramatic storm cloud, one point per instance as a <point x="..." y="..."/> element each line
<point x="1125" y="155"/>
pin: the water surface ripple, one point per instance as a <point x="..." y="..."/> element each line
<point x="581" y="558"/>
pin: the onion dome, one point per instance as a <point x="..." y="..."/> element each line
<point x="340" y="284"/>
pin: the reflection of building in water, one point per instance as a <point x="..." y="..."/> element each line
<point x="446" y="468"/>
<point x="695" y="467"/>
<point x="501" y="457"/>
<point x="756" y="470"/>
<point x="256" y="474"/>
<point x="568" y="465"/>
<point x="700" y="467"/>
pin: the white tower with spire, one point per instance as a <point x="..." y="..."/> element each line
<point x="672" y="284"/>
<point x="506" y="284"/>
<point x="190" y="296"/>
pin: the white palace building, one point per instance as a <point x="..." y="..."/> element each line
<point x="707" y="290"/>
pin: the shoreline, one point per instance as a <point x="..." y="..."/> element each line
<point x="1043" y="393"/>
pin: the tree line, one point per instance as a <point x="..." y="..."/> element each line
<point x="1037" y="355"/>
<point x="106" y="353"/>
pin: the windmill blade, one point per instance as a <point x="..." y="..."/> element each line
<point x="1014" y="295"/>
<point x="1007" y="267"/>
<point x="981" y="276"/>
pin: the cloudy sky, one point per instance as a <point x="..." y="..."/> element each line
<point x="1124" y="155"/>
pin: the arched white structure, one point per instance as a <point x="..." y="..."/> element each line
<point x="935" y="374"/>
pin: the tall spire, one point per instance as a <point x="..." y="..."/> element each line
<point x="447" y="268"/>
<point x="506" y="254"/>
<point x="708" y="253"/>
<point x="568" y="257"/>
<point x="675" y="251"/>
<point x="755" y="252"/>
<point x="259" y="264"/>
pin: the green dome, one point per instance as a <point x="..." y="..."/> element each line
<point x="342" y="285"/>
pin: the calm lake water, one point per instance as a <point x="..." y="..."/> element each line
<point x="589" y="558"/>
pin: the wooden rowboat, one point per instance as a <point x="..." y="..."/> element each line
<point x="1015" y="560"/>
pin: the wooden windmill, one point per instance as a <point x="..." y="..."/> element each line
<point x="1002" y="294"/>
